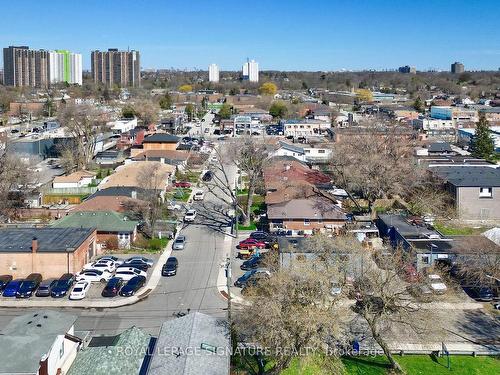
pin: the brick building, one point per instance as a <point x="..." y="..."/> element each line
<point x="48" y="251"/>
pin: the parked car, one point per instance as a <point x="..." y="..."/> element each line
<point x="170" y="267"/>
<point x="12" y="287"/>
<point x="102" y="265"/>
<point x="112" y="287"/>
<point x="45" y="288"/>
<point x="199" y="195"/>
<point x="117" y="260"/>
<point x="132" y="286"/>
<point x="172" y="205"/>
<point x="182" y="184"/>
<point x="29" y="285"/>
<point x="140" y="266"/>
<point x="179" y="243"/>
<point x="93" y="276"/>
<point x="482" y="293"/>
<point x="4" y="280"/>
<point x="251" y="243"/>
<point x="80" y="290"/>
<point x="63" y="285"/>
<point x="242" y="280"/>
<point x="207" y="176"/>
<point x="262" y="236"/>
<point x="127" y="273"/>
<point x="139" y="260"/>
<point x="252" y="263"/>
<point x="190" y="215"/>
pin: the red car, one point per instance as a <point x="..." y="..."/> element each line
<point x="182" y="185"/>
<point x="251" y="243"/>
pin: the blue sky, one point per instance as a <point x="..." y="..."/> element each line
<point x="279" y="34"/>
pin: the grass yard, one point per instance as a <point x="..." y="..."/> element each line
<point x="423" y="365"/>
<point x="190" y="176"/>
<point x="148" y="246"/>
<point x="455" y="230"/>
<point x="179" y="194"/>
<point x="411" y="364"/>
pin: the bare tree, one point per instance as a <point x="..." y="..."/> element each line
<point x="384" y="303"/>
<point x="152" y="179"/>
<point x="82" y="123"/>
<point x="15" y="180"/>
<point x="296" y="314"/>
<point x="376" y="163"/>
<point x="250" y="155"/>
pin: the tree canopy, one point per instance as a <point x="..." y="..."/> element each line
<point x="166" y="101"/>
<point x="482" y="143"/>
<point x="364" y="95"/>
<point x="185" y="88"/>
<point x="225" y="111"/>
<point x="268" y="88"/>
<point x="278" y="109"/>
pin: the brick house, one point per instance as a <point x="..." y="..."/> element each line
<point x="160" y="141"/>
<point x="49" y="251"/>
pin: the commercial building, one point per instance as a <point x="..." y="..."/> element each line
<point x="250" y="71"/>
<point x="48" y="251"/>
<point x="25" y="67"/>
<point x="213" y="73"/>
<point x="407" y="69"/>
<point x="459" y="115"/>
<point x="65" y="66"/>
<point x="457" y="68"/>
<point x="113" y="67"/>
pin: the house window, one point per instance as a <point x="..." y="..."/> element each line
<point x="321" y="151"/>
<point x="485" y="192"/>
<point x="307" y="222"/>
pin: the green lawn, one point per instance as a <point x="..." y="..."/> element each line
<point x="252" y="226"/>
<point x="179" y="194"/>
<point x="190" y="176"/>
<point x="423" y="365"/>
<point x="149" y="246"/>
<point x="411" y="364"/>
<point x="451" y="230"/>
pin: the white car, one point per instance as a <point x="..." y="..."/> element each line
<point x="126" y="273"/>
<point x="101" y="265"/>
<point x="117" y="261"/>
<point x="190" y="215"/>
<point x="80" y="290"/>
<point x="93" y="276"/>
<point x="199" y="195"/>
<point x="171" y="205"/>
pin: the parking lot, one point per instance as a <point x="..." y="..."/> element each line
<point x="94" y="293"/>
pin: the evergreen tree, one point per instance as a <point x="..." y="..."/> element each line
<point x="482" y="143"/>
<point x="418" y="105"/>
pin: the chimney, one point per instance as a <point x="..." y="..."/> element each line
<point x="34" y="245"/>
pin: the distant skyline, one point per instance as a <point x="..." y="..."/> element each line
<point x="320" y="35"/>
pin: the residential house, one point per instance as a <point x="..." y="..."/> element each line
<point x="133" y="175"/>
<point x="160" y="141"/>
<point x="125" y="353"/>
<point x="113" y="228"/>
<point x="310" y="153"/>
<point x="436" y="128"/>
<point x="74" y="180"/>
<point x="171" y="157"/>
<point x="49" y="251"/>
<point x="306" y="216"/>
<point x="109" y="158"/>
<point x="118" y="203"/>
<point x="133" y="192"/>
<point x="122" y="125"/>
<point x="466" y="136"/>
<point x="40" y="342"/>
<point x="208" y="339"/>
<point x="475" y="190"/>
<point x="429" y="245"/>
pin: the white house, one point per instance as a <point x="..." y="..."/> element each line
<point x="74" y="180"/>
<point x="123" y="125"/>
<point x="40" y="342"/>
<point x="308" y="153"/>
<point x="287" y="149"/>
